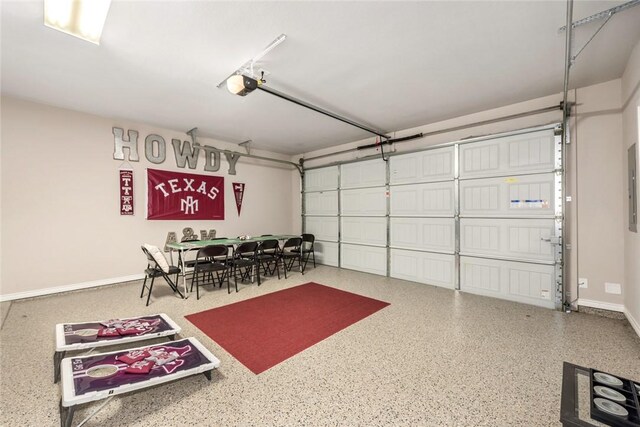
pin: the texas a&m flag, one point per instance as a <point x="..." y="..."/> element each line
<point x="176" y="195"/>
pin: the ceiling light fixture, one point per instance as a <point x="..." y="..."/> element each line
<point x="80" y="18"/>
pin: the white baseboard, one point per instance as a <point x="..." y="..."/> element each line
<point x="601" y="305"/>
<point x="634" y="322"/>
<point x="72" y="287"/>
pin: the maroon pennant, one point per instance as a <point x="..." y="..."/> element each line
<point x="126" y="192"/>
<point x="238" y="191"/>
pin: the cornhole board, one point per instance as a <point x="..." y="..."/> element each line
<point x="96" y="377"/>
<point x="82" y="336"/>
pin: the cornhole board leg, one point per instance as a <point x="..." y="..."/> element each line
<point x="66" y="415"/>
<point x="208" y="374"/>
<point x="57" y="358"/>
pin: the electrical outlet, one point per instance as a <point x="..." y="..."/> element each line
<point x="613" y="288"/>
<point x="583" y="283"/>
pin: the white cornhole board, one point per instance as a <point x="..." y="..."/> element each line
<point x="100" y="376"/>
<point x="84" y="335"/>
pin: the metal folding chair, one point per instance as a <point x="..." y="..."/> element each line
<point x="153" y="270"/>
<point x="209" y="260"/>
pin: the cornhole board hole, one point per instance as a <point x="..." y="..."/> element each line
<point x="82" y="336"/>
<point x="96" y="377"/>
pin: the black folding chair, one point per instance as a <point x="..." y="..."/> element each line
<point x="189" y="263"/>
<point x="269" y="253"/>
<point x="153" y="270"/>
<point x="307" y="250"/>
<point x="245" y="260"/>
<point x="209" y="260"/>
<point x="290" y="253"/>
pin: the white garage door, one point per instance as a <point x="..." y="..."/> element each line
<point x="509" y="197"/>
<point x="321" y="212"/>
<point x="482" y="216"/>
<point x="422" y="223"/>
<point x="363" y="216"/>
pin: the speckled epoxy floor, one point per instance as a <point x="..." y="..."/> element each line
<point x="433" y="357"/>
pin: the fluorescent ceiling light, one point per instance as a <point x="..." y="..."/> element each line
<point x="79" y="18"/>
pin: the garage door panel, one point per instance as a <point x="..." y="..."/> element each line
<point x="434" y="234"/>
<point x="368" y="231"/>
<point x="321" y="203"/>
<point x="530" y="195"/>
<point x="322" y="227"/>
<point x="321" y="179"/>
<point x="508" y="238"/>
<point x="326" y="253"/>
<point x="515" y="281"/>
<point x="431" y="165"/>
<point x="423" y="199"/>
<point x="525" y="153"/>
<point x="364" y="258"/>
<point x="423" y="267"/>
<point x="371" y="173"/>
<point x="364" y="202"/>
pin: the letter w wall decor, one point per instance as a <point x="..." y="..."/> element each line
<point x="176" y="195"/>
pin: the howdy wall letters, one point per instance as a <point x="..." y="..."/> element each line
<point x="155" y="150"/>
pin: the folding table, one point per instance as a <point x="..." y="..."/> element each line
<point x="102" y="376"/>
<point x="183" y="247"/>
<point x="82" y="336"/>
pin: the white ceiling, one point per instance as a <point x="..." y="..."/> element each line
<point x="391" y="65"/>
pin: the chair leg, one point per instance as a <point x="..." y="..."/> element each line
<point x="172" y="285"/>
<point x="228" y="280"/>
<point x="144" y="285"/>
<point x="194" y="278"/>
<point x="197" y="280"/>
<point x="258" y="272"/>
<point x="313" y="253"/>
<point x="235" y="277"/>
<point x="150" y="288"/>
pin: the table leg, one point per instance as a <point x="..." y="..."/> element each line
<point x="183" y="272"/>
<point x="57" y="358"/>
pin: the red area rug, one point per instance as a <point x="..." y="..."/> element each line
<point x="264" y="331"/>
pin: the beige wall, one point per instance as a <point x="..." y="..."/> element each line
<point x="60" y="221"/>
<point x="631" y="106"/>
<point x="594" y="185"/>
<point x="59" y="189"/>
<point x="600" y="205"/>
